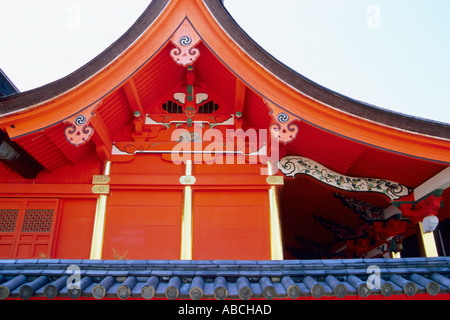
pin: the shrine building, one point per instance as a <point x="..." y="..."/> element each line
<point x="185" y="162"/>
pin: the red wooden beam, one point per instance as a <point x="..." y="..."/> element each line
<point x="133" y="97"/>
<point x="239" y="102"/>
<point x="101" y="138"/>
<point x="17" y="158"/>
<point x="232" y="180"/>
<point x="43" y="190"/>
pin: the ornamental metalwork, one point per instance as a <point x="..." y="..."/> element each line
<point x="187" y="180"/>
<point x="38" y="220"/>
<point x="291" y="166"/>
<point x="275" y="180"/>
<point x="100" y="179"/>
<point x="8" y="219"/>
<point x="100" y="189"/>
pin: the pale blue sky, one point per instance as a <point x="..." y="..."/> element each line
<point x="394" y="54"/>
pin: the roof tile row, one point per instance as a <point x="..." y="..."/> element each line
<point x="219" y="279"/>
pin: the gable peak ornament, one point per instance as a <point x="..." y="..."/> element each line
<point x="185" y="39"/>
<point x="79" y="132"/>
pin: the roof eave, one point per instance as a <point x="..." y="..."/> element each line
<point x="23" y="101"/>
<point x="319" y="93"/>
<point x="434" y="134"/>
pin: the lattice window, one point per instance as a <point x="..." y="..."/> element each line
<point x="8" y="219"/>
<point x="172" y="107"/>
<point x="208" y="107"/>
<point x="38" y="220"/>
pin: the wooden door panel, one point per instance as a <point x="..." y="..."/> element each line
<point x="27" y="227"/>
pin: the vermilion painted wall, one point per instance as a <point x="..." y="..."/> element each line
<point x="144" y="220"/>
<point x="66" y="191"/>
<point x="74" y="229"/>
<point x="143" y="224"/>
<point x="144" y="210"/>
<point x="231" y="221"/>
<point x="231" y="224"/>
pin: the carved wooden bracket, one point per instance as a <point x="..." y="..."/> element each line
<point x="390" y="228"/>
<point x="291" y="166"/>
<point x="417" y="211"/>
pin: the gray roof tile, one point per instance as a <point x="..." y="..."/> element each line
<point x="406" y="276"/>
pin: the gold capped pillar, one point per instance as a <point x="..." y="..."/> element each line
<point x="427" y="242"/>
<point x="100" y="187"/>
<point x="276" y="246"/>
<point x="424" y="212"/>
<point x="186" y="219"/>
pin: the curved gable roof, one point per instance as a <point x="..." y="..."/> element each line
<point x="23" y="101"/>
<point x="318" y="92"/>
<point x="285" y="88"/>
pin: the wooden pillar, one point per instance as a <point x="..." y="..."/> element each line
<point x="100" y="212"/>
<point x="426" y="242"/>
<point x="276" y="247"/>
<point x="424" y="213"/>
<point x="186" y="219"/>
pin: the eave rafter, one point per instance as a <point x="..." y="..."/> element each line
<point x="239" y="101"/>
<point x="101" y="137"/>
<point x="133" y="97"/>
<point x="258" y="72"/>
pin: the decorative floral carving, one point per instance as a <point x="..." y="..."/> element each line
<point x="185" y="39"/>
<point x="283" y="129"/>
<point x="340" y="231"/>
<point x="291" y="166"/>
<point x="79" y="132"/>
<point x="368" y="212"/>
